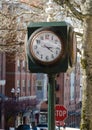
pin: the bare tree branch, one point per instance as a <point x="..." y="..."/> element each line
<point x="78" y="14"/>
<point x="75" y="12"/>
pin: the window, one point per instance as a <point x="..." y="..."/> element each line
<point x="72" y="86"/>
<point x="18" y="83"/>
<point x="18" y="64"/>
<point x="28" y="83"/>
<point x="57" y="100"/>
<point x="57" y="87"/>
<point x="39" y="85"/>
<point x="24" y="89"/>
<point x="23" y="85"/>
<point x="23" y="65"/>
<point x="29" y="87"/>
<point x="39" y="88"/>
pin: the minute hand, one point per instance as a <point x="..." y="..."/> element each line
<point x="49" y="48"/>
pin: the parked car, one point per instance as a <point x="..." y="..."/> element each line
<point x="44" y="127"/>
<point x="24" y="127"/>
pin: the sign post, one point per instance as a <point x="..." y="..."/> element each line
<point x="60" y="114"/>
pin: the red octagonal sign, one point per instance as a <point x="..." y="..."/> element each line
<point x="60" y="113"/>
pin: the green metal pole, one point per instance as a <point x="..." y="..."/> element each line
<point x="51" y="102"/>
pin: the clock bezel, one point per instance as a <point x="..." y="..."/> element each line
<point x="31" y="52"/>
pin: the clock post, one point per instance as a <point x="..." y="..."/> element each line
<point x="51" y="102"/>
<point x="51" y="49"/>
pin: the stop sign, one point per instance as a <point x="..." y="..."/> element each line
<point x="60" y="113"/>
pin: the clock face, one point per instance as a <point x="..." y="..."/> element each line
<point x="45" y="47"/>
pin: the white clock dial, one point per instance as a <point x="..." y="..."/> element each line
<point x="46" y="47"/>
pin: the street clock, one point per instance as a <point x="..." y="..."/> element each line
<point x="48" y="47"/>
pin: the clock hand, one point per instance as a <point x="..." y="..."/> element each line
<point x="49" y="48"/>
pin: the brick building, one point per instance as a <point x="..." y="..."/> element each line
<point x="15" y="76"/>
<point x="18" y="76"/>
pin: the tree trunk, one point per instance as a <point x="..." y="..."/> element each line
<point x="86" y="119"/>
